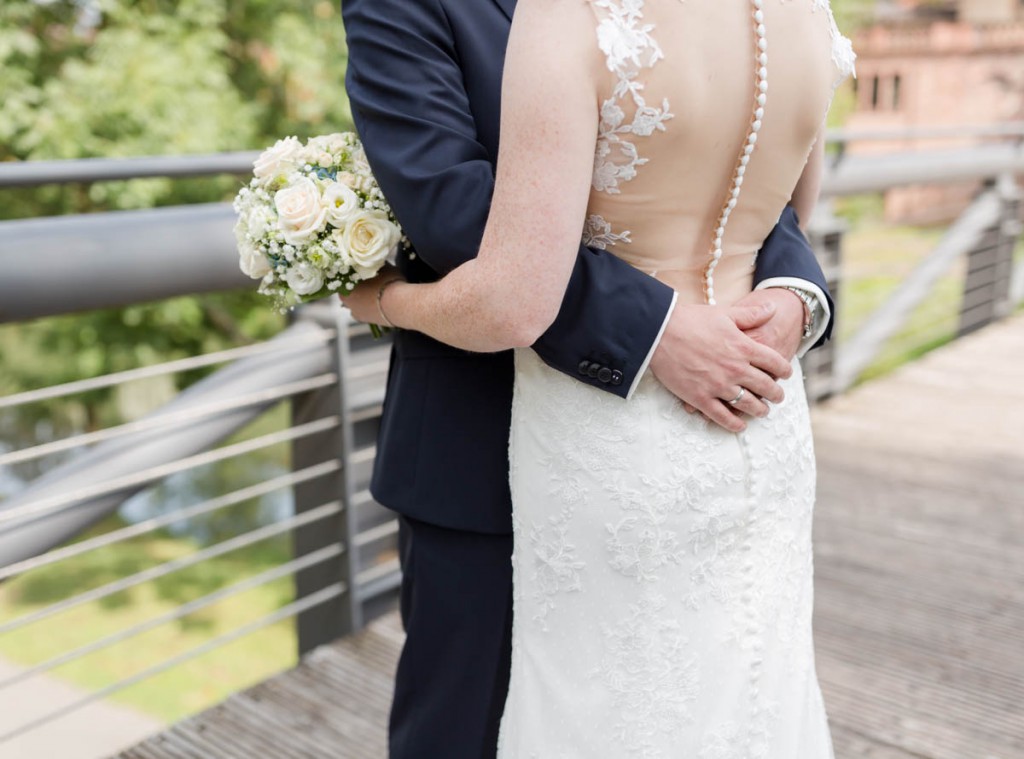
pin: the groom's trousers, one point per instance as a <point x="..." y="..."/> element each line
<point x="452" y="679"/>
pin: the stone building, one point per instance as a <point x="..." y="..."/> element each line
<point x="935" y="64"/>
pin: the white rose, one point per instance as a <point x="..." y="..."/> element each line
<point x="359" y="163"/>
<point x="252" y="261"/>
<point x="342" y="204"/>
<point x="327" y="143"/>
<point x="304" y="279"/>
<point x="278" y="159"/>
<point x="300" y="210"/>
<point x="321" y="142"/>
<point x="368" y="238"/>
<point x="342" y="256"/>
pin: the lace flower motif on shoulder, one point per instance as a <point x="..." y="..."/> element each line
<point x="628" y="48"/>
<point x="842" y="48"/>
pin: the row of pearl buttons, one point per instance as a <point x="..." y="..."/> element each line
<point x="761" y="97"/>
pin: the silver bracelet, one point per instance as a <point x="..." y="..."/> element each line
<point x="380" y="306"/>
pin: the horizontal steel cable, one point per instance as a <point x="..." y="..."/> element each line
<point x="67" y="500"/>
<point x="296" y="607"/>
<point x="161" y="570"/>
<point x="164" y="420"/>
<point x="148" y="525"/>
<point x="209" y="599"/>
<point x="156" y="370"/>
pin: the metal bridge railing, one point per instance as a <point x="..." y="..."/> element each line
<point x="331" y="374"/>
<point x="343" y="567"/>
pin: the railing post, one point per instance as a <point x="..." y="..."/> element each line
<point x="342" y="615"/>
<point x="987" y="292"/>
<point x="825" y="233"/>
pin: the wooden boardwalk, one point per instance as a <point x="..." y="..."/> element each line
<point x="919" y="601"/>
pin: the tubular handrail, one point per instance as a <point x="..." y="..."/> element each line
<point x="97" y="261"/>
<point x="945" y="132"/>
<point x="35" y="173"/>
<point x="858" y="174"/>
<point x="239" y="163"/>
<point x="94" y="258"/>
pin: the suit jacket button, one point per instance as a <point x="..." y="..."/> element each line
<point x="593" y="370"/>
<point x="616" y="377"/>
<point x="605" y="375"/>
<point x="584" y="366"/>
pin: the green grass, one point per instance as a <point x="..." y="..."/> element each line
<point x="181" y="690"/>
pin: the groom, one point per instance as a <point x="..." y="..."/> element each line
<point x="424" y="81"/>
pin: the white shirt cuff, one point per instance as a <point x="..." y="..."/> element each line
<point x="654" y="346"/>
<point x="824" y="316"/>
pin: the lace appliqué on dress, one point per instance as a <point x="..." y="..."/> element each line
<point x="842" y="48"/>
<point x="556" y="565"/>
<point x="628" y="48"/>
<point x="652" y="675"/>
<point x="597" y="233"/>
<point x="749" y="741"/>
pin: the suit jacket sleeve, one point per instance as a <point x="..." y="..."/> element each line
<point x="787" y="258"/>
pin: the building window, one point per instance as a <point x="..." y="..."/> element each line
<point x="880" y="93"/>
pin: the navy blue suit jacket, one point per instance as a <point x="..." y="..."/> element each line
<point x="424" y="82"/>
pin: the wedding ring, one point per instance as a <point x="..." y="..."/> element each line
<point x="738" y="398"/>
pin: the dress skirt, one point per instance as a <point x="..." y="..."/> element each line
<point x="663" y="578"/>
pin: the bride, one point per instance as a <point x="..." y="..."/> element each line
<point x="662" y="564"/>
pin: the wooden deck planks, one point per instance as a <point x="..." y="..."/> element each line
<point x="919" y="540"/>
<point x="919" y="595"/>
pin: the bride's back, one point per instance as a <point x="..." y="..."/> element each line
<point x="678" y="95"/>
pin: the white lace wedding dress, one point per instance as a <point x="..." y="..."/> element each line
<point x="663" y="566"/>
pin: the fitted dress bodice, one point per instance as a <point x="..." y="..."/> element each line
<point x="675" y="108"/>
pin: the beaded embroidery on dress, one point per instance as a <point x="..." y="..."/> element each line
<point x="663" y="567"/>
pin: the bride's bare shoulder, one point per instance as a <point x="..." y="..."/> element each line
<point x="559" y="29"/>
<point x="569" y="16"/>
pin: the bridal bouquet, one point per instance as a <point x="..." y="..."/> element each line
<point x="313" y="221"/>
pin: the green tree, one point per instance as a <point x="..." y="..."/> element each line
<point x="160" y="77"/>
<point x="146" y="77"/>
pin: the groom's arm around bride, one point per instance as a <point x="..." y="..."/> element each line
<point x="424" y="82"/>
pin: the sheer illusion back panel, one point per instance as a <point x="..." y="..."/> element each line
<point x="678" y="87"/>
